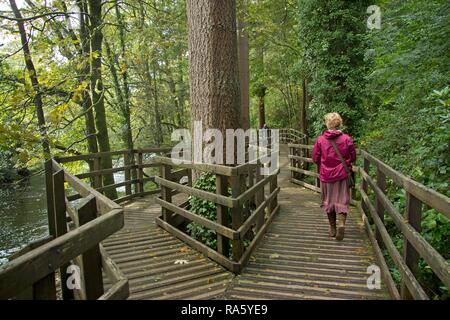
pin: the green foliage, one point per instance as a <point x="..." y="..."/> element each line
<point x="156" y="65"/>
<point x="408" y="109"/>
<point x="207" y="209"/>
<point x="7" y="172"/>
<point x="332" y="34"/>
<point x="275" y="61"/>
<point x="204" y="208"/>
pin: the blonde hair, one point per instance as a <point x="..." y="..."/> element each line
<point x="333" y="120"/>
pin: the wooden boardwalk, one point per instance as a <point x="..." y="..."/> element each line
<point x="158" y="265"/>
<point x="296" y="259"/>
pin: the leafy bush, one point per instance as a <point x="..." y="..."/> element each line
<point x="206" y="209"/>
<point x="408" y="112"/>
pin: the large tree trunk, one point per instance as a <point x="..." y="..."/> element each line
<point x="97" y="92"/>
<point x="214" y="84"/>
<point x="244" y="68"/>
<point x="214" y="72"/>
<point x="33" y="78"/>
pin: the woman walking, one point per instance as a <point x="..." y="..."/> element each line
<point x="334" y="152"/>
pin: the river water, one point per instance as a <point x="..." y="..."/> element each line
<point x="23" y="211"/>
<point x="23" y="214"/>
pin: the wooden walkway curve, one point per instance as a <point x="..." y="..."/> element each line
<point x="158" y="265"/>
<point x="296" y="260"/>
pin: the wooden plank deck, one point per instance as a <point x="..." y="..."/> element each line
<point x="158" y="265"/>
<point x="296" y="259"/>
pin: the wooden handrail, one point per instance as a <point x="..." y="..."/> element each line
<point x="233" y="231"/>
<point x="407" y="275"/>
<point x="133" y="170"/>
<point x="218" y="199"/>
<point x="91" y="156"/>
<point x="409" y="225"/>
<point x="94" y="219"/>
<point x="427" y="195"/>
<point x="29" y="268"/>
<point x="120" y="288"/>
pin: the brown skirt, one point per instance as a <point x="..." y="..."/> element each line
<point x="335" y="196"/>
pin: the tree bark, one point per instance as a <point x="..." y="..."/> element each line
<point x="86" y="102"/>
<point x="214" y="72"/>
<point x="244" y="68"/>
<point x="128" y="135"/>
<point x="97" y="92"/>
<point x="33" y="78"/>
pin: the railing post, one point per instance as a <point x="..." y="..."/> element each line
<point x="43" y="289"/>
<point x="222" y="215"/>
<point x="292" y="161"/>
<point x="50" y="197"/>
<point x="166" y="193"/>
<point x="127" y="163"/>
<point x="236" y="217"/>
<point x="259" y="198"/>
<point x="98" y="177"/>
<point x="134" y="171"/>
<point x="140" y="172"/>
<point x="91" y="259"/>
<point x="414" y="216"/>
<point x="366" y="168"/>
<point x="306" y="155"/>
<point x="273" y="185"/>
<point x="297" y="163"/>
<point x="59" y="203"/>
<point x="381" y="183"/>
<point x="251" y="182"/>
<point x="189" y="177"/>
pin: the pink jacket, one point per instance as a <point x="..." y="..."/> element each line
<point x="331" y="167"/>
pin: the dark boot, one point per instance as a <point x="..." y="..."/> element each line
<point x="332" y="220"/>
<point x="341" y="217"/>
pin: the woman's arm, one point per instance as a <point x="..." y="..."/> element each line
<point x="317" y="152"/>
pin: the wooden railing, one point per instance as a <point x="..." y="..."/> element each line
<point x="76" y="231"/>
<point x="133" y="163"/>
<point x="252" y="204"/>
<point x="373" y="212"/>
<point x="301" y="166"/>
<point x="289" y="135"/>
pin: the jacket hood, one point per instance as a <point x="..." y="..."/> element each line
<point x="332" y="134"/>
